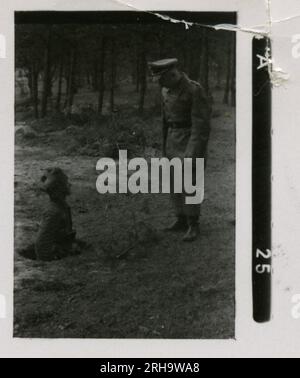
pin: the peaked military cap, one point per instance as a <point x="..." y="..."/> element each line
<point x="162" y="66"/>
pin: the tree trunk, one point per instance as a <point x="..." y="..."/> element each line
<point x="233" y="72"/>
<point x="143" y="77"/>
<point x="206" y="61"/>
<point x="95" y="75"/>
<point x="133" y="69"/>
<point x="138" y="66"/>
<point x="185" y="52"/>
<point x="228" y="76"/>
<point x="30" y="82"/>
<point x="112" y="74"/>
<point x="35" y="91"/>
<point x="88" y="78"/>
<point x="60" y="82"/>
<point x="194" y="57"/>
<point x="67" y="75"/>
<point x="162" y="43"/>
<point x="195" y="64"/>
<point x="219" y="76"/>
<point x="47" y="73"/>
<point x="52" y="79"/>
<point x="71" y="82"/>
<point x="101" y="76"/>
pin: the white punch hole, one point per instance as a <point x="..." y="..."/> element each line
<point x="2" y="307"/>
<point x="2" y="47"/>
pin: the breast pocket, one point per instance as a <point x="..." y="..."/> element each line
<point x="184" y="105"/>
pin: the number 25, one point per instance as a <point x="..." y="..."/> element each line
<point x="263" y="268"/>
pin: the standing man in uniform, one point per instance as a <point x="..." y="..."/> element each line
<point x="186" y="129"/>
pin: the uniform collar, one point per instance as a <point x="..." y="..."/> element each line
<point x="182" y="84"/>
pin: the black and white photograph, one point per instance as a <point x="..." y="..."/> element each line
<point x="98" y="255"/>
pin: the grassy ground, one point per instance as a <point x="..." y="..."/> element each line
<point x="163" y="288"/>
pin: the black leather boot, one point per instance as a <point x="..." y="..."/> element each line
<point x="193" y="230"/>
<point x="180" y="224"/>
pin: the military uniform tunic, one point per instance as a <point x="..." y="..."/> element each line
<point x="186" y="123"/>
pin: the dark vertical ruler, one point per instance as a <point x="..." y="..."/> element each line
<point x="262" y="181"/>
